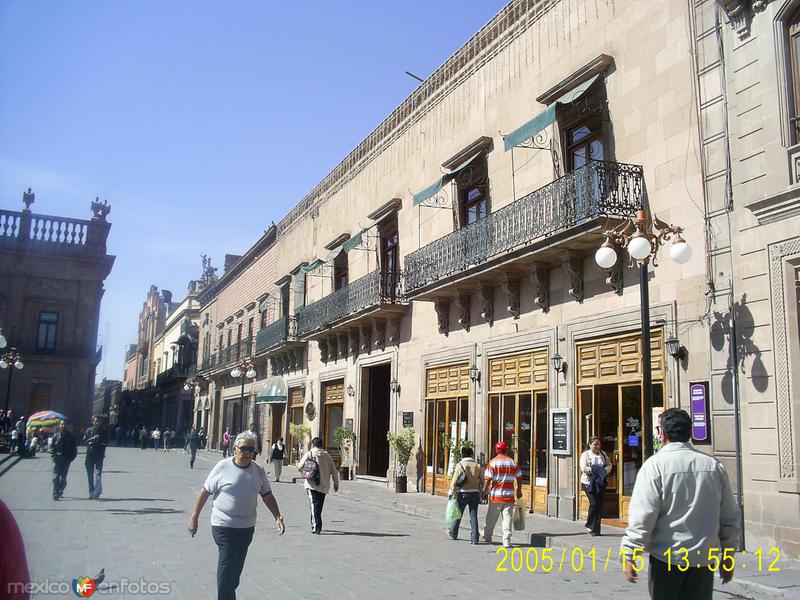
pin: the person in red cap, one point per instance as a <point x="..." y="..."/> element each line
<point x="501" y="473"/>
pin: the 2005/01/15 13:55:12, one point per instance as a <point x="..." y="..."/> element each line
<point x="725" y="559"/>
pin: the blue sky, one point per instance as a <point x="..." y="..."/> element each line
<point x="200" y="122"/>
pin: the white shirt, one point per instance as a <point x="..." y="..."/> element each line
<point x="235" y="492"/>
<point x="327" y="470"/>
<point x="588" y="460"/>
<point x="682" y="502"/>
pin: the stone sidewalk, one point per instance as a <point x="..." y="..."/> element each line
<point x="375" y="544"/>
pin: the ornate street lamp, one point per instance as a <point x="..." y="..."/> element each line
<point x="12" y="358"/>
<point x="643" y="238"/>
<point x="246" y="370"/>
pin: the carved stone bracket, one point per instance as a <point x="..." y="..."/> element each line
<point x="341" y="343"/>
<point x="365" y="338"/>
<point x="352" y="342"/>
<point x="298" y="358"/>
<point x="614" y="278"/>
<point x="323" y="350"/>
<point x="464" y="308"/>
<point x="393" y="331"/>
<point x="573" y="265"/>
<point x="379" y="333"/>
<point x="273" y="365"/>
<point x="540" y="276"/>
<point x="511" y="285"/>
<point x="487" y="302"/>
<point x="442" y="308"/>
<point x="740" y="13"/>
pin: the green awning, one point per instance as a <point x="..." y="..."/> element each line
<point x="311" y="267"/>
<point x="429" y="191"/>
<point x="272" y="391"/>
<point x="352" y="242"/>
<point x="334" y="253"/>
<point x="264" y="304"/>
<point x="545" y="118"/>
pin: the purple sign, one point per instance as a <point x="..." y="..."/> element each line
<point x="698" y="397"/>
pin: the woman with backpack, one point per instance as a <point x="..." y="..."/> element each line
<point x="277" y="456"/>
<point x="317" y="468"/>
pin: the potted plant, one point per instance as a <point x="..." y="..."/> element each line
<point x="346" y="440"/>
<point x="298" y="432"/>
<point x="402" y="445"/>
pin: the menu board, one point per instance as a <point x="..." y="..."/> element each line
<point x="561" y="431"/>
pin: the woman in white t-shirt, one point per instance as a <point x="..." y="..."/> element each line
<point x="235" y="485"/>
<point x="595" y="468"/>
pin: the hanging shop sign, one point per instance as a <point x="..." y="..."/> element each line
<point x="408" y="419"/>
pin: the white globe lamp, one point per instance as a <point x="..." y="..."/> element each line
<point x="251" y="374"/>
<point x="237" y="372"/>
<point x="606" y="256"/>
<point x="680" y="251"/>
<point x="639" y="247"/>
<point x="3" y="364"/>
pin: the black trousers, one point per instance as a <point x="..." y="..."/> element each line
<point x="696" y="583"/>
<point x="595" y="509"/>
<point x="232" y="544"/>
<point x="316" y="501"/>
<point x="60" y="469"/>
<point x="192" y="455"/>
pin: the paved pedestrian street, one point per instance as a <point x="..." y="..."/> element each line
<point x="371" y="546"/>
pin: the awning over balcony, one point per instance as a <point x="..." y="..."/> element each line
<point x="272" y="391"/>
<point x="545" y="118"/>
<point x="433" y="189"/>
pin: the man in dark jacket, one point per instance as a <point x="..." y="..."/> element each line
<point x="64" y="450"/>
<point x="192" y="444"/>
<point x="96" y="438"/>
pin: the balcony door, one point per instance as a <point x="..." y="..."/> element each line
<point x="390" y="258"/>
<point x="332" y="415"/>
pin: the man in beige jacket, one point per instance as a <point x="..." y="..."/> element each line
<point x="317" y="490"/>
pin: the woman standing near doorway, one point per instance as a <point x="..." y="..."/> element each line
<point x="595" y="468"/>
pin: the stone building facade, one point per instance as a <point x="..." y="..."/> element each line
<point x="442" y="276"/>
<point x="52" y="271"/>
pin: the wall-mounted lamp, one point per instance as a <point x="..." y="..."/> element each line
<point x="559" y="366"/>
<point x="675" y="349"/>
<point x="394" y="385"/>
<point x="350" y="391"/>
<point x="474" y="374"/>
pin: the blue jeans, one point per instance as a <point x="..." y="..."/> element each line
<point x="472" y="500"/>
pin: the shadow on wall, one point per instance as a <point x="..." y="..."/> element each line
<point x="745" y="347"/>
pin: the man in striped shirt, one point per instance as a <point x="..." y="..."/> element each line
<point x="501" y="473"/>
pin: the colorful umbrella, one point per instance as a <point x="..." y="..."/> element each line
<point x="45" y="418"/>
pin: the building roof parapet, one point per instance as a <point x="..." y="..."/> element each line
<point x="513" y="20"/>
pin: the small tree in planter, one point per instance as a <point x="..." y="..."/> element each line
<point x="346" y="439"/>
<point x="299" y="431"/>
<point x="402" y="444"/>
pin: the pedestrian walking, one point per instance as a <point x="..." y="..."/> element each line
<point x="21" y="436"/>
<point x="63" y="451"/>
<point x="499" y="478"/>
<point x="317" y="487"/>
<point x="167" y="437"/>
<point x="595" y="468"/>
<point x="192" y="444"/>
<point x="14" y="440"/>
<point x="683" y="513"/>
<point x="234" y="486"/>
<point x="226" y="441"/>
<point x="156" y="435"/>
<point x="96" y="438"/>
<point x="276" y="456"/>
<point x="202" y="433"/>
<point x="143" y="438"/>
<point x="466" y="488"/>
<point x="254" y="430"/>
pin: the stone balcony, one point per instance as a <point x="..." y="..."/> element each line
<point x="556" y="225"/>
<point x="278" y="342"/>
<point x="356" y="318"/>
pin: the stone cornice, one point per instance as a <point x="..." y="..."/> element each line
<point x="776" y="207"/>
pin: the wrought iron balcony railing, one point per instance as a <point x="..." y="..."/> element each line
<point x="174" y="373"/>
<point x="276" y="334"/>
<point x="596" y="189"/>
<point x="378" y="287"/>
<point x="230" y="355"/>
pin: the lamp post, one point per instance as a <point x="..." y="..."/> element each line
<point x="246" y="370"/>
<point x="10" y="359"/>
<point x="642" y="238"/>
